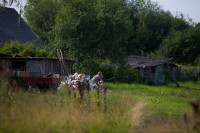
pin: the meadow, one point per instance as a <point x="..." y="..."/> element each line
<point x="129" y="108"/>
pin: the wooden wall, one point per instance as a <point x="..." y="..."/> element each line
<point x="153" y="75"/>
<point x="43" y="66"/>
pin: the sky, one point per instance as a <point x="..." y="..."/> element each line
<point x="190" y="8"/>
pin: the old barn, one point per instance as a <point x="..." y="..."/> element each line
<point x="152" y="70"/>
<point x="33" y="66"/>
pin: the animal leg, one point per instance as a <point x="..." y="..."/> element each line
<point x="105" y="90"/>
<point x="81" y="92"/>
<point x="69" y="90"/>
<point x="88" y="91"/>
<point x="74" y="92"/>
<point x="98" y="91"/>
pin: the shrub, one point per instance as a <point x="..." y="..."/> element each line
<point x="127" y="74"/>
<point x="28" y="49"/>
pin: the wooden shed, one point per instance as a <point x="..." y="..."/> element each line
<point x="37" y="66"/>
<point x="152" y="70"/>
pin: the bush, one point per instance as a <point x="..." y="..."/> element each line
<point x="28" y="49"/>
<point x="107" y="72"/>
<point x="124" y="73"/>
<point x="197" y="61"/>
<point x="127" y="74"/>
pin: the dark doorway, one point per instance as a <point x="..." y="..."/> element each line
<point x="18" y="64"/>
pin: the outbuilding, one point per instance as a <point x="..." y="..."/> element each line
<point x="152" y="70"/>
<point x="34" y="66"/>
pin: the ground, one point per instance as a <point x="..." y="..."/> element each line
<point x="129" y="108"/>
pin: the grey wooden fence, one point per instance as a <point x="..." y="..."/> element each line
<point x="182" y="73"/>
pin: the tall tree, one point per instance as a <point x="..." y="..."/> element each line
<point x="89" y="29"/>
<point x="183" y="46"/>
<point x="9" y="2"/>
<point x="40" y="16"/>
<point x="151" y="25"/>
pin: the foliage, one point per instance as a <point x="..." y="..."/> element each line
<point x="40" y="16"/>
<point x="87" y="30"/>
<point x="9" y="2"/>
<point x="197" y="61"/>
<point x="151" y="24"/>
<point x="123" y="73"/>
<point x="28" y="49"/>
<point x="127" y="74"/>
<point x="183" y="46"/>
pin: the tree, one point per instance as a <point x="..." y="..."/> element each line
<point x="40" y="16"/>
<point x="183" y="46"/>
<point x="90" y="29"/>
<point x="151" y="25"/>
<point x="10" y="2"/>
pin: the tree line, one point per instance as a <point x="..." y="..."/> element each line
<point x="96" y="31"/>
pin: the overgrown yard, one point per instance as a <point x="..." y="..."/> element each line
<point x="130" y="108"/>
<point x="163" y="101"/>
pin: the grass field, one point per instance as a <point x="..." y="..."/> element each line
<point x="130" y="108"/>
<point x="163" y="101"/>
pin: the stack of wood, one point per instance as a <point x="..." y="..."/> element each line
<point x="82" y="82"/>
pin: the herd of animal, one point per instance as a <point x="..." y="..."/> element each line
<point x="82" y="82"/>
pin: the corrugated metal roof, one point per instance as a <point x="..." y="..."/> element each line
<point x="33" y="58"/>
<point x="17" y="57"/>
<point x="5" y="55"/>
<point x="11" y="30"/>
<point x="142" y="62"/>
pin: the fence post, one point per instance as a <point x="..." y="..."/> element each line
<point x="172" y="75"/>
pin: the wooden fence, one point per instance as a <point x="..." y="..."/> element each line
<point x="182" y="73"/>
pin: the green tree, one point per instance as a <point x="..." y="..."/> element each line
<point x="151" y="25"/>
<point x="40" y="16"/>
<point x="90" y="29"/>
<point x="183" y="46"/>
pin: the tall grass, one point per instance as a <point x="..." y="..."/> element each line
<point x="130" y="108"/>
<point x="166" y="105"/>
<point x="164" y="100"/>
<point x="39" y="112"/>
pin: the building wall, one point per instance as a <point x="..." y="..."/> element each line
<point x="1" y="64"/>
<point x="43" y="67"/>
<point x="153" y="75"/>
<point x="159" y="77"/>
<point x="34" y="65"/>
<point x="50" y="66"/>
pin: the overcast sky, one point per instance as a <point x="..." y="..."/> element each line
<point x="190" y="8"/>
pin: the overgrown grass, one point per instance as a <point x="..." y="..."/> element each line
<point x="39" y="112"/>
<point x="165" y="100"/>
<point x="130" y="108"/>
